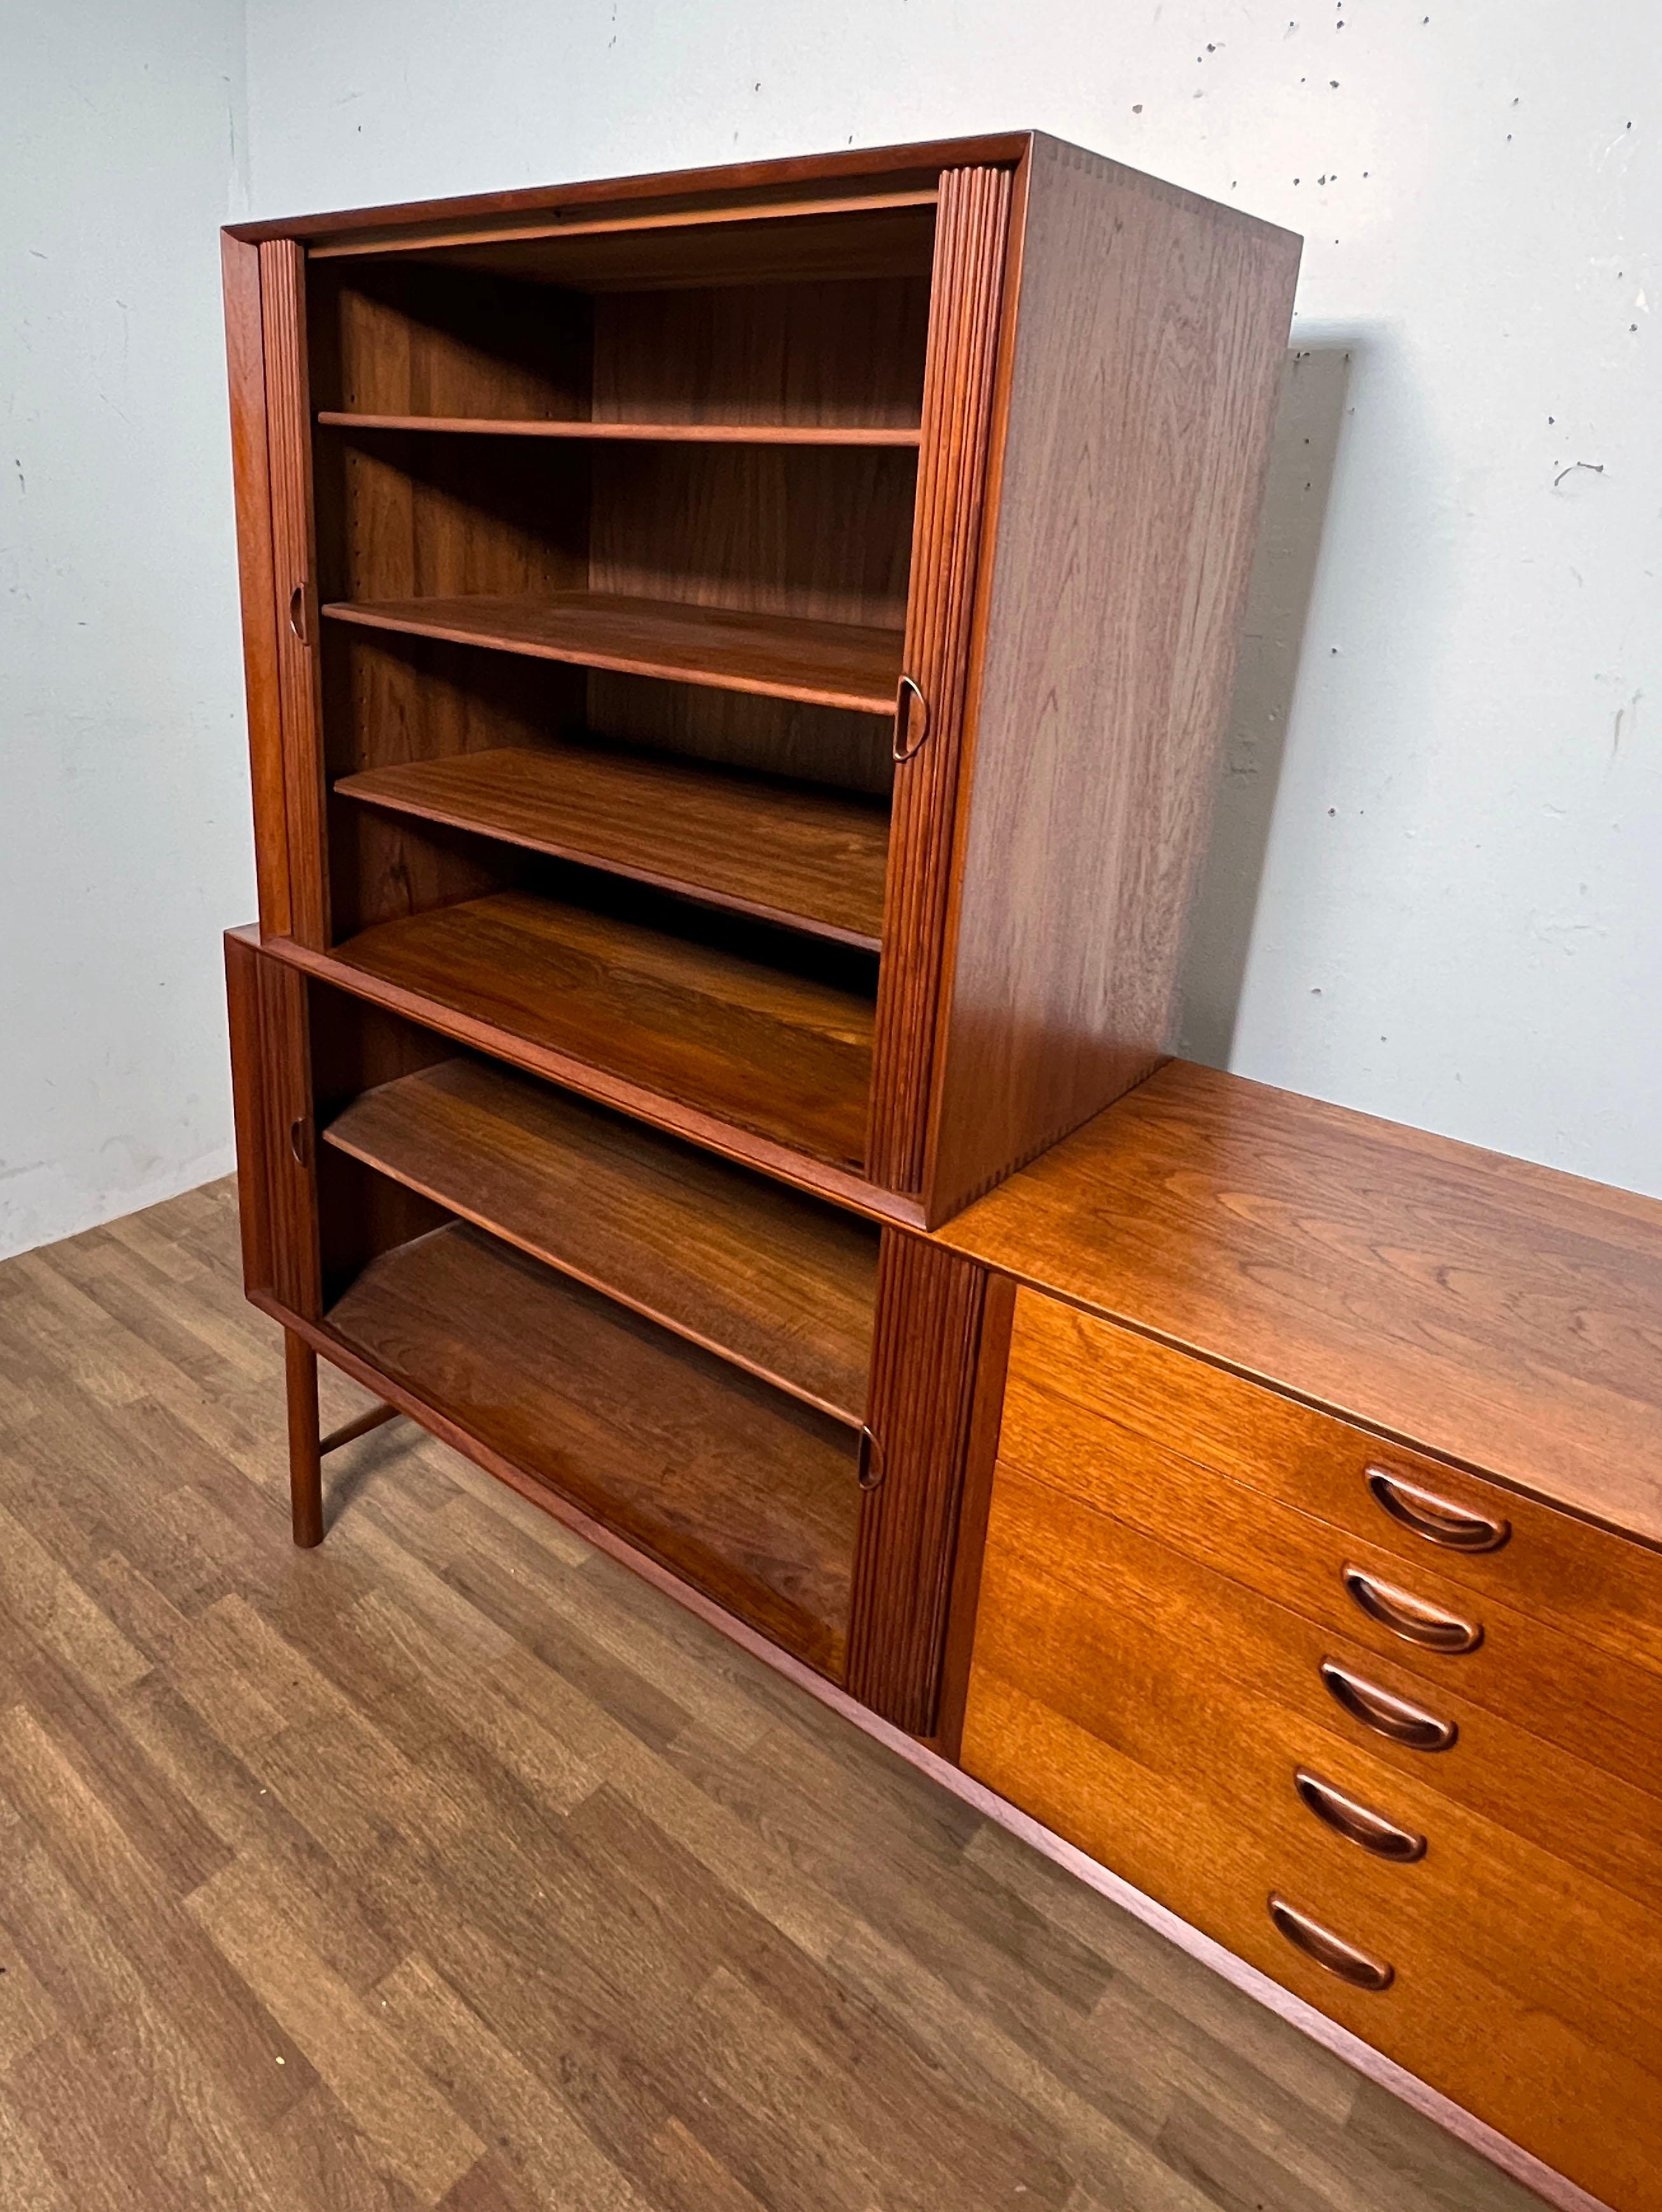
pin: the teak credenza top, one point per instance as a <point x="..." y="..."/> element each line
<point x="1505" y="1315"/>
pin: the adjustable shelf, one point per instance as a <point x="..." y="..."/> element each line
<point x="854" y="666"/>
<point x="786" y="1055"/>
<point x="746" y="1493"/>
<point x="714" y="434"/>
<point x="776" y="1282"/>
<point x="800" y="854"/>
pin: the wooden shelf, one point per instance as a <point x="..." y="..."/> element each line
<point x="786" y="1055"/>
<point x="735" y="1487"/>
<point x="694" y="434"/>
<point x="779" y="656"/>
<point x="802" y="855"/>
<point x="780" y="1285"/>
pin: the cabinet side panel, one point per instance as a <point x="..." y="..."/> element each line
<point x="294" y="611"/>
<point x="1150" y="330"/>
<point x="971" y="238"/>
<point x="245" y="362"/>
<point x="923" y="1371"/>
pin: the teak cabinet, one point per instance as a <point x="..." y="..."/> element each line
<point x="735" y="665"/>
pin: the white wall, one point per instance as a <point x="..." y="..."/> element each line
<point x="1435" y="891"/>
<point x="124" y="846"/>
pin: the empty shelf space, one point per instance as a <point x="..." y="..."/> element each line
<point x="737" y="1488"/>
<point x="697" y="433"/>
<point x="780" y="656"/>
<point x="797" y="853"/>
<point x="776" y="1282"/>
<point x="759" y="1047"/>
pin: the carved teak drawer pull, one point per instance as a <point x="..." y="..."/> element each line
<point x="1433" y="1517"/>
<point x="1358" y="1823"/>
<point x="1410" y="1617"/>
<point x="1384" y="1712"/>
<point x="1328" y="1949"/>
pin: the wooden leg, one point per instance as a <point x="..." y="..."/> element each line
<point x="305" y="1456"/>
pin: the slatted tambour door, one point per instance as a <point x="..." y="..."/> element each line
<point x="929" y="1331"/>
<point x="972" y="235"/>
<point x="289" y="435"/>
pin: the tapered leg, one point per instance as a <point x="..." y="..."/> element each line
<point x="305" y="1454"/>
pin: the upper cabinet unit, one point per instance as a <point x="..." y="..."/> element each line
<point x="751" y="646"/>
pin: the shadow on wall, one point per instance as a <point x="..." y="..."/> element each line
<point x="1307" y="423"/>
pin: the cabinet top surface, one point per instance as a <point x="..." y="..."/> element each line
<point x="1502" y="1315"/>
<point x="872" y="166"/>
<point x="854" y="170"/>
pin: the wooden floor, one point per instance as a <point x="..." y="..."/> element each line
<point x="448" y="1866"/>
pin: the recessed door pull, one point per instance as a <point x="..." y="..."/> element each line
<point x="911" y="718"/>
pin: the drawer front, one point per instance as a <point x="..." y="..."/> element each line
<point x="1604" y="1710"/>
<point x="1516" y="1985"/>
<point x="1589" y="1584"/>
<point x="1197" y="1636"/>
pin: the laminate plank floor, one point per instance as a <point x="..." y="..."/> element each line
<point x="449" y="1866"/>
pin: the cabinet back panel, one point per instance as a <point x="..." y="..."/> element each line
<point x="396" y="338"/>
<point x="672" y="255"/>
<point x="824" y="744"/>
<point x="384" y="867"/>
<point x="838" y="353"/>
<point x="390" y="698"/>
<point x="800" y="530"/>
<point x="406" y="514"/>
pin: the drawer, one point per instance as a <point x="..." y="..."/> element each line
<point x="1203" y="1637"/>
<point x="1582" y="1580"/>
<point x="1605" y="1709"/>
<point x="1515" y="1985"/>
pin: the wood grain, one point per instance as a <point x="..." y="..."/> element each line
<point x="245" y="353"/>
<point x="293" y="615"/>
<point x="785" y="1055"/>
<point x="749" y="1495"/>
<point x="1137" y="429"/>
<point x="966" y="322"/>
<point x="790" y="358"/>
<point x="839" y="174"/>
<point x="756" y="1274"/>
<point x="801" y="533"/>
<point x="760" y="244"/>
<point x="1496" y="1314"/>
<point x="272" y="1097"/>
<point x="1588" y="1819"/>
<point x="1554" y="1684"/>
<point x="791" y="853"/>
<point x="709" y="434"/>
<point x="825" y="664"/>
<point x="922" y="1385"/>
<point x="975" y="1503"/>
<point x="1106" y="1689"/>
<point x="439" y="1020"/>
<point x="391" y="338"/>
